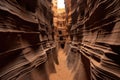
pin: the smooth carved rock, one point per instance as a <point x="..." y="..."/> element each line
<point x="24" y="41"/>
<point x="94" y="27"/>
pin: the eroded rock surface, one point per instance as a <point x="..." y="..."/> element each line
<point x="94" y="29"/>
<point x="26" y="40"/>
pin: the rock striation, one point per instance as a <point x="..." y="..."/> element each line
<point x="94" y="33"/>
<point x="27" y="40"/>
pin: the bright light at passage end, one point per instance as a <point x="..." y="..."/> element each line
<point x="60" y="4"/>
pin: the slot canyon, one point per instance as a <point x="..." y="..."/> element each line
<point x="60" y="40"/>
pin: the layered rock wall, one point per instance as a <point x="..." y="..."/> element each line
<point x="26" y="40"/>
<point x="94" y="30"/>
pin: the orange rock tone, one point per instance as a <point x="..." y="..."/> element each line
<point x="40" y="42"/>
<point x="94" y="32"/>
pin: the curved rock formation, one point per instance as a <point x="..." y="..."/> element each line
<point x="94" y="29"/>
<point x="26" y="37"/>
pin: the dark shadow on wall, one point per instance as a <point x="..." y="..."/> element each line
<point x="62" y="45"/>
<point x="78" y="64"/>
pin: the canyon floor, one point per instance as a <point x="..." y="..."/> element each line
<point x="62" y="72"/>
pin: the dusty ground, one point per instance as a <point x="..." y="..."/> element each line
<point x="62" y="71"/>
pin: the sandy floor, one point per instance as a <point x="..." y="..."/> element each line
<point x="62" y="71"/>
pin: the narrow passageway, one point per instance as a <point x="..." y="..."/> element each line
<point x="32" y="32"/>
<point x="62" y="72"/>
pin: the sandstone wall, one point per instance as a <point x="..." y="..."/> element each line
<point x="94" y="32"/>
<point x="26" y="40"/>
